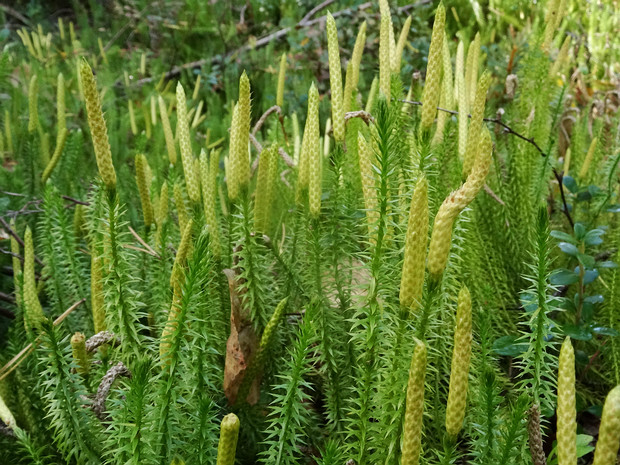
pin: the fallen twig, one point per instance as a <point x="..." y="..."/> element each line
<point x="76" y="201"/>
<point x="261" y="120"/>
<point x="99" y="339"/>
<point x="104" y="388"/>
<point x="144" y="244"/>
<point x="507" y="128"/>
<point x="16" y="14"/>
<point x="21" y="356"/>
<point x="138" y="249"/>
<point x="315" y="10"/>
<point x="306" y="21"/>
<point x="7" y="298"/>
<point x="6" y="226"/>
<point x="259" y="148"/>
<point x="364" y="115"/>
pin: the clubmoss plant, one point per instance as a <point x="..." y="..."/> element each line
<point x="187" y="157"/>
<point x="290" y="316"/>
<point x="609" y="434"/>
<point x="412" y="280"/>
<point x="98" y="128"/>
<point x="412" y="431"/>
<point x="239" y="135"/>
<point x="33" y="312"/>
<point x="567" y="411"/>
<point x="430" y="96"/>
<point x="229" y="433"/>
<point x="143" y="181"/>
<point x="165" y="123"/>
<point x="459" y="373"/>
<point x="385" y="62"/>
<point x="335" y="79"/>
<point x="281" y="79"/>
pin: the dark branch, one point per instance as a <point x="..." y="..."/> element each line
<point x="104" y="388"/>
<point x="6" y="226"/>
<point x="560" y="178"/>
<point x="76" y="201"/>
<point x="508" y="129"/>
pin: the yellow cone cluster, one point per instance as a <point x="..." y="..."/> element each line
<point x="227" y="446"/>
<point x="5" y="414"/>
<point x="430" y="94"/>
<point x="97" y="125"/>
<point x="181" y="257"/>
<point x="372" y="94"/>
<point x="352" y="78"/>
<point x="187" y="157"/>
<point x="239" y="162"/>
<point x="79" y="220"/>
<point x="171" y="325"/>
<point x="310" y="151"/>
<point x="33" y="312"/>
<point x="457" y="396"/>
<point x="385" y="61"/>
<point x="441" y="238"/>
<point x="335" y="78"/>
<point x="165" y="123"/>
<point x="475" y="126"/>
<point x="281" y="78"/>
<point x="471" y="69"/>
<point x="384" y="10"/>
<point x="315" y="165"/>
<point x="461" y="98"/>
<point x="366" y="157"/>
<point x="143" y="180"/>
<point x="400" y="46"/>
<point x="208" y="170"/>
<point x="585" y="167"/>
<point x="567" y="411"/>
<point x="176" y="281"/>
<point x="78" y="349"/>
<point x="33" y="103"/>
<point x="553" y="18"/>
<point x="256" y="364"/>
<point x="60" y="104"/>
<point x="267" y="170"/>
<point x="412" y="280"/>
<point x="446" y="99"/>
<point x="560" y="60"/>
<point x="414" y="409"/>
<point x="608" y="442"/>
<point x="60" y="145"/>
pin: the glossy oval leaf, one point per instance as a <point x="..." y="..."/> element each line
<point x="563" y="277"/>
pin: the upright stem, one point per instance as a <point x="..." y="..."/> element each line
<point x="581" y="288"/>
<point x="429" y="300"/>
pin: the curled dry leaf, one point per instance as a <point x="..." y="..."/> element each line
<point x="241" y="346"/>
